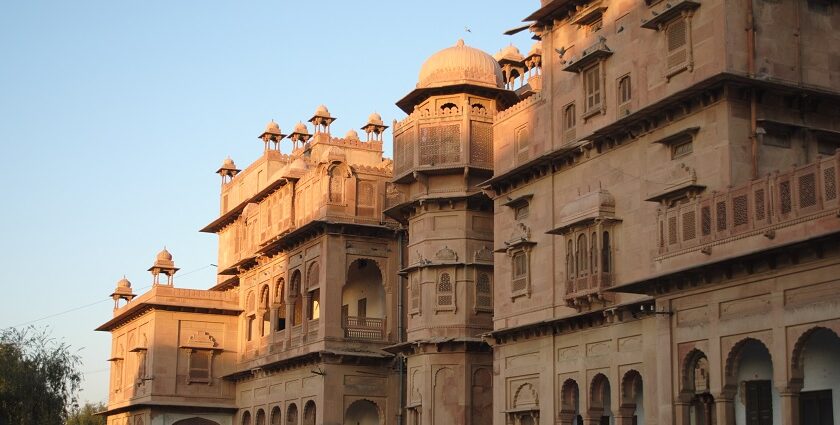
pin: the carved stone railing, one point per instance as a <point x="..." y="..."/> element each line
<point x="589" y="284"/>
<point x="760" y="206"/>
<point x="364" y="328"/>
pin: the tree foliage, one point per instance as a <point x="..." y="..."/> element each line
<point x="39" y="378"/>
<point x="86" y="415"/>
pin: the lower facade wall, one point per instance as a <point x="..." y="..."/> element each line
<point x="578" y="376"/>
<point x="778" y="329"/>
<point x="328" y="394"/>
<point x="449" y="388"/>
<point x="770" y="336"/>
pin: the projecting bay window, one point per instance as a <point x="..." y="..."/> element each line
<point x="588" y="227"/>
<point x="589" y="258"/>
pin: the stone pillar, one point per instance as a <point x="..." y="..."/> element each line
<point x="566" y="418"/>
<point x="725" y="409"/>
<point x="592" y="418"/>
<point x="789" y="400"/>
<point x="625" y="415"/>
<point x="304" y="315"/>
<point x="683" y="412"/>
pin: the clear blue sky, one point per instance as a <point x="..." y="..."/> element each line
<point x="115" y="114"/>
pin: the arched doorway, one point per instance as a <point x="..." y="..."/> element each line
<point x="695" y="393"/>
<point x="292" y="415"/>
<point x="749" y="372"/>
<point x="363" y="301"/>
<point x="195" y="421"/>
<point x="276" y="415"/>
<point x="632" y="399"/>
<point x="309" y="413"/>
<point x="600" y="400"/>
<point x="816" y="367"/>
<point x="570" y="403"/>
<point x="362" y="412"/>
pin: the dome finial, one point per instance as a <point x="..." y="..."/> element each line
<point x="460" y="43"/>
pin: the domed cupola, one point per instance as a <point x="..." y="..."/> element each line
<point x="459" y="68"/>
<point x="460" y="64"/>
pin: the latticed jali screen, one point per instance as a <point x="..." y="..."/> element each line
<point x="481" y="143"/>
<point x="404" y="151"/>
<point x="440" y="144"/>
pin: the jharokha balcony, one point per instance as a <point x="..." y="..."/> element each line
<point x="783" y="207"/>
<point x="366" y="328"/>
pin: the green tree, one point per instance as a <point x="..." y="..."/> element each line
<point x="86" y="415"/>
<point x="39" y="378"/>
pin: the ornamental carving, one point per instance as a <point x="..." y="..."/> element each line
<point x="202" y="340"/>
<point x="483" y="254"/>
<point x="446" y="253"/>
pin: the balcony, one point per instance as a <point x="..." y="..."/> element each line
<point x="366" y="328"/>
<point x="761" y="207"/>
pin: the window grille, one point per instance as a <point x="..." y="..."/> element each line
<point x="808" y="190"/>
<point x="483" y="292"/>
<point x="444" y="289"/>
<point x="740" y="215"/>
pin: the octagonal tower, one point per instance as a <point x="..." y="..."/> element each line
<point x="442" y="152"/>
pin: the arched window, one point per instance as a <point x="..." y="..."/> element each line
<point x="275" y="415"/>
<point x="593" y="252"/>
<point x="292" y="414"/>
<point x="624" y="92"/>
<point x="581" y="255"/>
<point x="246" y="418"/>
<point x="265" y="327"/>
<point x="570" y="260"/>
<point x="309" y="413"/>
<point x="295" y="297"/>
<point x="444" y="290"/>
<point x="606" y="256"/>
<point x="280" y="299"/>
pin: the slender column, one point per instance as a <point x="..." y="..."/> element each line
<point x="683" y="413"/>
<point x="304" y="328"/>
<point x="592" y="418"/>
<point x="790" y="406"/>
<point x="725" y="409"/>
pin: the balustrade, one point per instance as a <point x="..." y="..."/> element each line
<point x="757" y="207"/>
<point x="364" y="328"/>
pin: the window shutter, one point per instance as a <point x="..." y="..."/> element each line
<point x="677" y="38"/>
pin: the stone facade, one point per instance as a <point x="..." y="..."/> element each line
<point x="635" y="223"/>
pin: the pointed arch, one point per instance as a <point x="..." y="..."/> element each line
<point x="734" y="358"/>
<point x="797" y="355"/>
<point x="570" y="397"/>
<point x="631" y="386"/>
